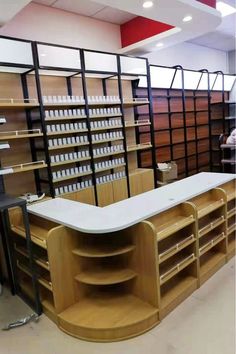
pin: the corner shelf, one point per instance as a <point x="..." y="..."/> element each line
<point x="107" y="250"/>
<point x="105" y="275"/>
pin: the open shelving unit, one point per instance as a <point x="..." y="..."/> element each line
<point x="184" y="116"/>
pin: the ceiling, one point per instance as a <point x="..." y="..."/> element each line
<point x="8" y="9"/>
<point x="90" y="9"/>
<point x="224" y="37"/>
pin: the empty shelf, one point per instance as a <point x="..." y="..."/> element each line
<point x="25" y="167"/>
<point x="179" y="222"/>
<point x="209" y="245"/>
<point x="38" y="234"/>
<point x="231" y="212"/>
<point x="209" y="206"/>
<point x="108" y="316"/>
<point x="105" y="276"/>
<point x="212" y="225"/>
<point x="179" y="265"/>
<point x="176" y="248"/>
<point x="108" y="250"/>
<point x="38" y="260"/>
<point x="231" y="228"/>
<point x="211" y="264"/>
<point x="138" y="147"/>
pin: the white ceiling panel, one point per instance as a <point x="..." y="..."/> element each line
<point x="109" y="14"/>
<point x="216" y="40"/>
<point x="82" y="7"/>
<point x="45" y="2"/>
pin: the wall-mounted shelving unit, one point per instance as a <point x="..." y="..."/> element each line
<point x="183" y="116"/>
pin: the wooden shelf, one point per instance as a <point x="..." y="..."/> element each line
<point x="231" y="212"/>
<point x="231" y="195"/>
<point x="110" y="154"/>
<point x="231" y="228"/>
<point x="176" y="248"/>
<point x="212" y="243"/>
<point x="44" y="282"/>
<point x="104" y="104"/>
<point x="23" y="167"/>
<point x="38" y="234"/>
<point x="231" y="246"/>
<point x="105" y="275"/>
<point x="67" y="132"/>
<point x="17" y="105"/>
<point x="67" y="146"/>
<point x="110" y="168"/>
<point x="168" y="228"/>
<point x="211" y="226"/>
<point x="208" y="206"/>
<point x="107" y="140"/>
<point x="63" y="104"/>
<point x="68" y="162"/>
<point x="108" y="250"/>
<point x="99" y="116"/>
<point x="137" y="124"/>
<point x="211" y="264"/>
<point x="138" y="147"/>
<point x="19" y="135"/>
<point x="52" y="119"/>
<point x="72" y="177"/>
<point x="106" y="316"/>
<point x="178" y="266"/>
<point x="184" y="285"/>
<point x="110" y="127"/>
<point x="135" y="103"/>
<point x="38" y="260"/>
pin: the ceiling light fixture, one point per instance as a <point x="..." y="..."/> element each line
<point x="187" y="18"/>
<point x="147" y="4"/>
<point x="225" y="9"/>
<point x="159" y="45"/>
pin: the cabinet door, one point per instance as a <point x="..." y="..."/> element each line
<point x="135" y="184"/>
<point x="105" y="194"/>
<point x="147" y="180"/>
<point x="120" y="190"/>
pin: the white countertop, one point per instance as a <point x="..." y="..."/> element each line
<point x="91" y="219"/>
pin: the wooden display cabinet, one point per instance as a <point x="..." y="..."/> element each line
<point x="212" y="232"/>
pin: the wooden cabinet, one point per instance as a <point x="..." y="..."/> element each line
<point x="141" y="181"/>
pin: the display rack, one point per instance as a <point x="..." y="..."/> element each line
<point x="182" y="116"/>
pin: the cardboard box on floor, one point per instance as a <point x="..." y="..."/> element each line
<point x="169" y="173"/>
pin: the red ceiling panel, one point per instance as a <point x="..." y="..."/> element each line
<point x="211" y="3"/>
<point x="141" y="28"/>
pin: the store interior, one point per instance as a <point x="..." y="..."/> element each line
<point x="117" y="176"/>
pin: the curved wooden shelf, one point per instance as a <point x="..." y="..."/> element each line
<point x="101" y="251"/>
<point x="106" y="317"/>
<point x="105" y="276"/>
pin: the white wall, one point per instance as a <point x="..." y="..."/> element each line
<point x="42" y="23"/>
<point x="191" y="56"/>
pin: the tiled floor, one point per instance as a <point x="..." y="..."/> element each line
<point x="203" y="324"/>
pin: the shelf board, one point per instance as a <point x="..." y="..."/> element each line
<point x="103" y="104"/>
<point x="227" y="146"/>
<point x="107" y="250"/>
<point x="38" y="234"/>
<point x="177" y="290"/>
<point x="229" y="161"/>
<point x="209" y="245"/>
<point x="176" y="248"/>
<point x="38" y="260"/>
<point x="168" y="228"/>
<point x="110" y="154"/>
<point x="72" y="177"/>
<point x="208" y="206"/>
<point x="216" y="259"/>
<point x="100" y="116"/>
<point x="231" y="212"/>
<point x="23" y="168"/>
<point x="19" y="136"/>
<point x="231" y="228"/>
<point x="110" y="127"/>
<point x="18" y="105"/>
<point x="52" y="119"/>
<point x="67" y="162"/>
<point x="137" y="124"/>
<point x="45" y="283"/>
<point x="178" y="266"/>
<point x="105" y="275"/>
<point x="211" y="226"/>
<point x="139" y="147"/>
<point x="67" y="132"/>
<point x="110" y="168"/>
<point x="106" y="140"/>
<point x="231" y="196"/>
<point x="63" y="104"/>
<point x="67" y="146"/>
<point x="103" y="316"/>
<point x="133" y="103"/>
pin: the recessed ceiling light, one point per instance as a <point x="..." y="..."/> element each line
<point x="187" y="18"/>
<point x="159" y="44"/>
<point x="147" y="4"/>
<point x="43" y="55"/>
<point x="225" y="9"/>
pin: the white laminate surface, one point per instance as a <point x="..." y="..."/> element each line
<point x="118" y="216"/>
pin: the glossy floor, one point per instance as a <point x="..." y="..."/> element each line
<point x="203" y="324"/>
